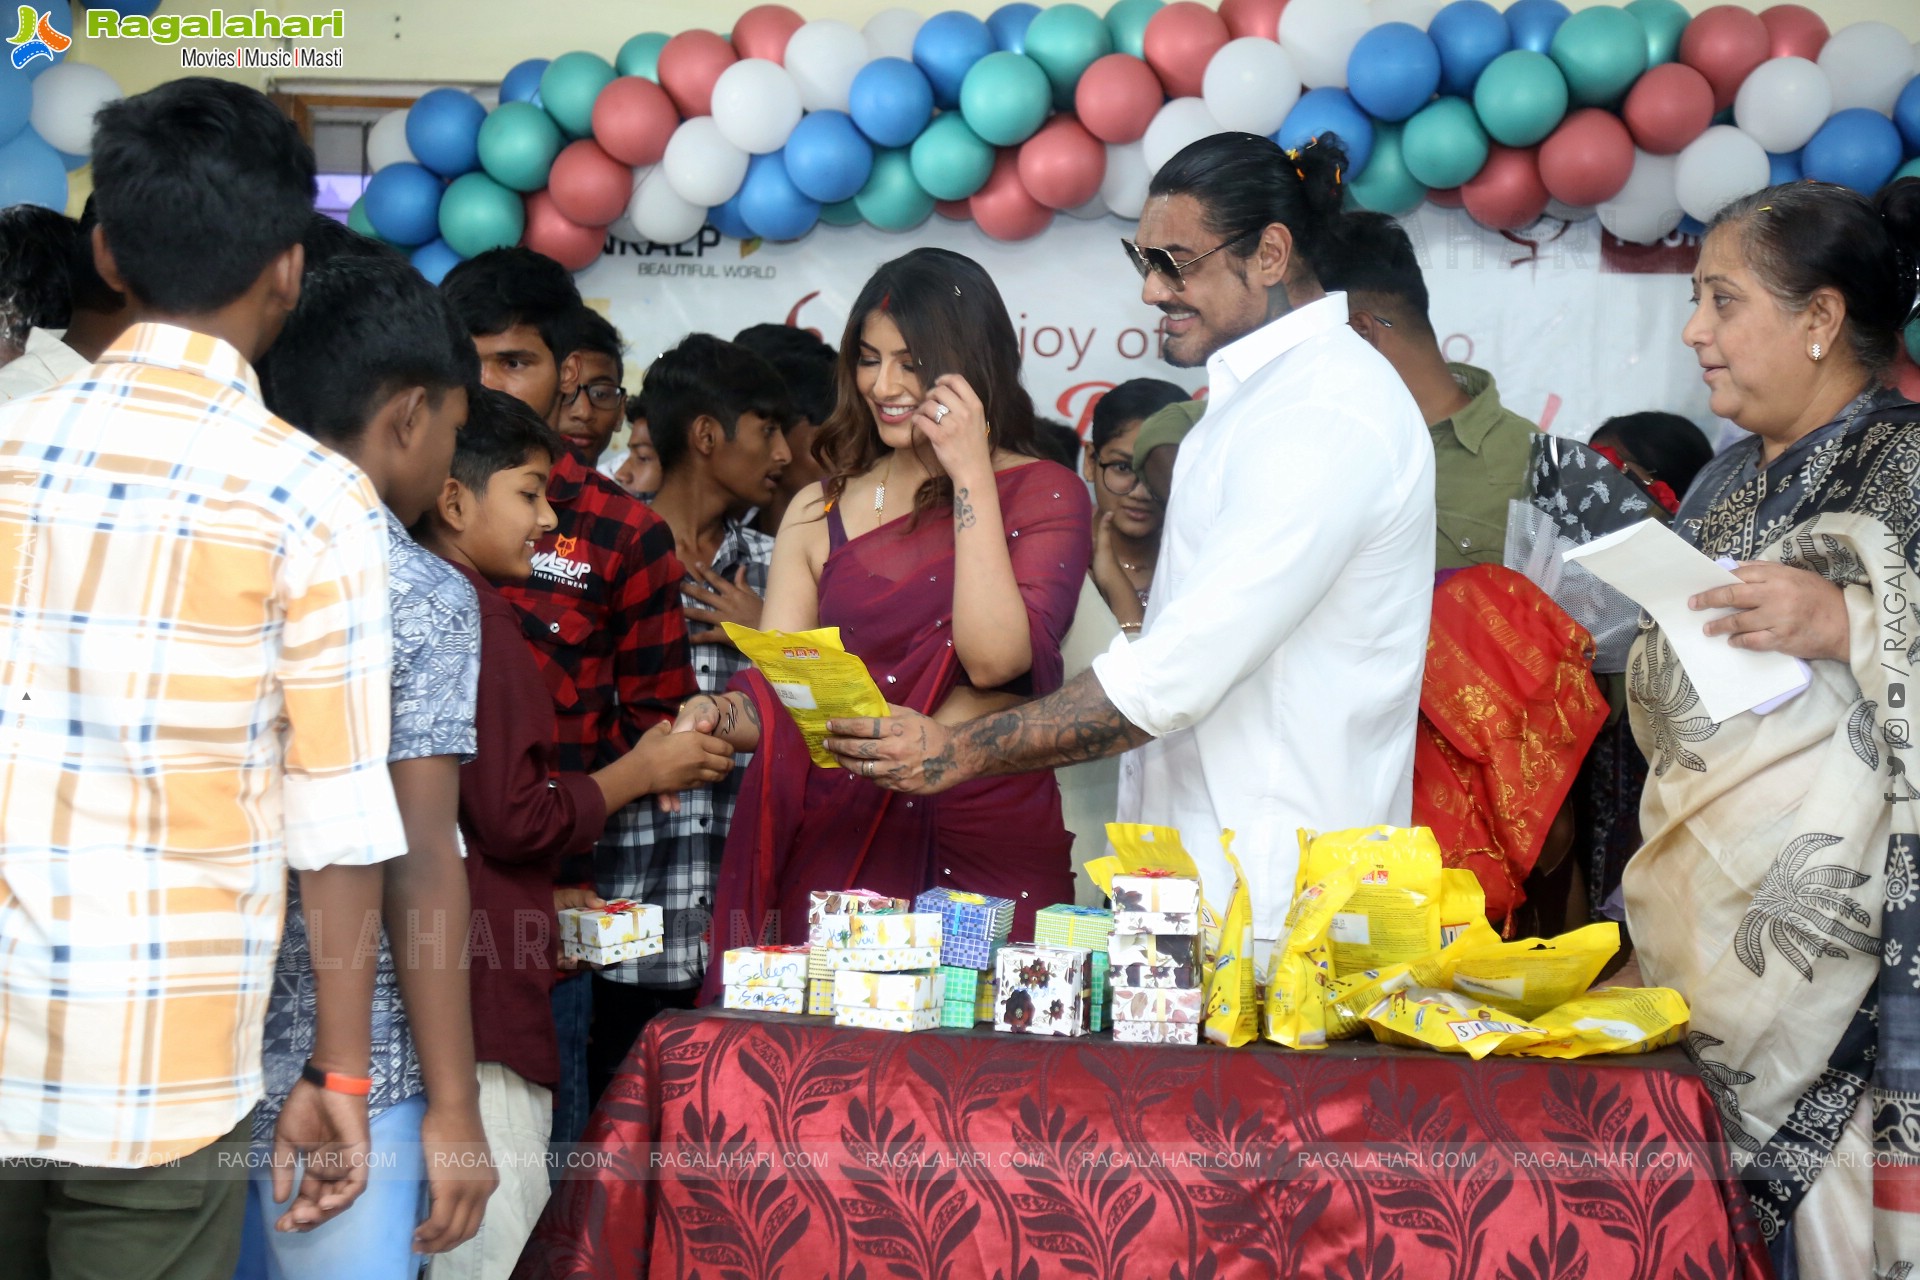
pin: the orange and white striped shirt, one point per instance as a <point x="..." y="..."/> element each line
<point x="194" y="689"/>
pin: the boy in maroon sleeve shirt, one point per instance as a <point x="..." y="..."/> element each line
<point x="520" y="811"/>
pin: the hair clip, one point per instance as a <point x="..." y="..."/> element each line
<point x="1336" y="175"/>
<point x="1293" y="153"/>
<point x="956" y="291"/>
<point x="886" y="298"/>
<point x="1765" y="208"/>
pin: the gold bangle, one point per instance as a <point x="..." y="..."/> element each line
<point x="1127" y="628"/>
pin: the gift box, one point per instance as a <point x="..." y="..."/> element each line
<point x="881" y="959"/>
<point x="893" y="929"/>
<point x="1041" y="990"/>
<point x="1153" y="960"/>
<point x="820" y="995"/>
<point x="983" y="999"/>
<point x="972" y="925"/>
<point x="765" y="967"/>
<point x="765" y="999"/>
<point x="1066" y="925"/>
<point x="613" y="925"/>
<point x="1157" y="1004"/>
<point x="1098" y="994"/>
<point x="850" y="1015"/>
<point x="615" y="954"/>
<point x="843" y="902"/>
<point x="960" y="996"/>
<point x="1127" y="1032"/>
<point x="1158" y="904"/>
<point x="908" y="991"/>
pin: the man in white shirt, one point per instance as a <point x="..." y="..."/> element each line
<point x="36" y="250"/>
<point x="1276" y="681"/>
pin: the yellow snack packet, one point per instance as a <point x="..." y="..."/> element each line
<point x="1233" y="1005"/>
<point x="1462" y="901"/>
<point x="1530" y="976"/>
<point x="1139" y="847"/>
<point x="1444" y="1020"/>
<point x="1611" y="1020"/>
<point x="814" y="677"/>
<point x="1353" y="994"/>
<point x="1394" y="913"/>
<point x="1298" y="1008"/>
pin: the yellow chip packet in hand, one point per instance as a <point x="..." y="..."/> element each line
<point x="1426" y="1017"/>
<point x="814" y="677"/>
<point x="1611" y="1020"/>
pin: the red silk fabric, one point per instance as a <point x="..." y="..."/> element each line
<point x="746" y="1146"/>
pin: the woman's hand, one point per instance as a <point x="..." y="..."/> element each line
<point x="1115" y="587"/>
<point x="955" y="424"/>
<point x="1792" y="611"/>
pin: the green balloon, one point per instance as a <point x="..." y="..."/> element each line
<point x="1663" y="20"/>
<point x="1911" y="169"/>
<point x="640" y="56"/>
<point x="1913" y="330"/>
<point x="1005" y="97"/>
<point x="1443" y="145"/>
<point x="357" y="219"/>
<point x="1385" y="186"/>
<point x="518" y="142"/>
<point x="1127" y="24"/>
<point x="892" y="200"/>
<point x="844" y="214"/>
<point x="950" y="160"/>
<point x="1601" y="52"/>
<point x="568" y="87"/>
<point x="1520" y="97"/>
<point x="1066" y="39"/>
<point x="478" y="214"/>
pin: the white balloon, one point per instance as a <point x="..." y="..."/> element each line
<point x="387" y="141"/>
<point x="1646" y="209"/>
<point x="1320" y="35"/>
<point x="660" y="215"/>
<point x="1125" y="186"/>
<point x="1250" y="84"/>
<point x="1782" y="103"/>
<point x="1094" y="208"/>
<point x="1718" y="167"/>
<point x="1570" y="212"/>
<point x="890" y="33"/>
<point x="1178" y="123"/>
<point x="1868" y="64"/>
<point x="1418" y="13"/>
<point x="823" y="57"/>
<point x="756" y="105"/>
<point x="701" y="165"/>
<point x="64" y="100"/>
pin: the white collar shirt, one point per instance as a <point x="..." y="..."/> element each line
<point x="1279" y="666"/>
<point x="45" y="362"/>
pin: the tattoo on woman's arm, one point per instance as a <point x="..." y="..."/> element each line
<point x="963" y="517"/>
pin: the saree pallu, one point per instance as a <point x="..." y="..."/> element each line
<point x="1776" y="889"/>
<point x="1508" y="708"/>
<point x="799" y="827"/>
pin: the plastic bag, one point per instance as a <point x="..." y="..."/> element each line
<point x="1462" y="901"/>
<point x="1297" y="994"/>
<point x="1611" y="1020"/>
<point x="1351" y="995"/>
<point x="1528" y="977"/>
<point x="1394" y="913"/>
<point x="1447" y="1021"/>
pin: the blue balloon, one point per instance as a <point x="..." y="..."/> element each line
<point x="945" y="50"/>
<point x="443" y="131"/>
<point x="16" y="102"/>
<point x="891" y="101"/>
<point x="771" y="204"/>
<point x="827" y="158"/>
<point x="1533" y="23"/>
<point x="1009" y="25"/>
<point x="403" y="204"/>
<point x="522" y="84"/>
<point x="36" y="55"/>
<point x="1906" y="114"/>
<point x="434" y="259"/>
<point x="1856" y="148"/>
<point x="1783" y="167"/>
<point x="31" y="172"/>
<point x="1691" y="226"/>
<point x="726" y="219"/>
<point x="1469" y="35"/>
<point x="1393" y="71"/>
<point x="75" y="162"/>
<point x="1329" y="111"/>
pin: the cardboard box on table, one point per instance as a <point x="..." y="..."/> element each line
<point x="1042" y="990"/>
<point x="1164" y="904"/>
<point x="972" y="925"/>
<point x="765" y="999"/>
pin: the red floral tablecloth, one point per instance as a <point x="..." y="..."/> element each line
<point x="736" y="1147"/>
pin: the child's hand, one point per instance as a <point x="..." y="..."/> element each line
<point x="568" y="899"/>
<point x="679" y="761"/>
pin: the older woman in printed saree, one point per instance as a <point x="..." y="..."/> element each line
<point x="951" y="561"/>
<point x="1775" y="888"/>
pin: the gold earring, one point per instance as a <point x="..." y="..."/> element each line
<point x="1816" y="353"/>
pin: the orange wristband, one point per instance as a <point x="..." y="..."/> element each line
<point x="358" y="1086"/>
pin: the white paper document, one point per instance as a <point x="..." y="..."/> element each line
<point x="1651" y="565"/>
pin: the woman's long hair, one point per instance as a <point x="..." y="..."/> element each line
<point x="947" y="309"/>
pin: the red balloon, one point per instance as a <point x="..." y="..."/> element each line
<point x="763" y="31"/>
<point x="1905" y="374"/>
<point x="589" y="186"/>
<point x="633" y="118"/>
<point x="1062" y="165"/>
<point x="1252" y="17"/>
<point x="1117" y="98"/>
<point x="1794" y="31"/>
<point x="1668" y="107"/>
<point x="1179" y="41"/>
<point x="559" y="237"/>
<point x="689" y="65"/>
<point x="953" y="210"/>
<point x="1447" y="198"/>
<point x="1724" y="44"/>
<point x="1004" y="208"/>
<point x="1507" y="193"/>
<point x="1587" y="159"/>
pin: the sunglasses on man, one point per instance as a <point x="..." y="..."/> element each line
<point x="1149" y="259"/>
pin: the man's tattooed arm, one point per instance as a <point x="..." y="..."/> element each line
<point x="1077" y="723"/>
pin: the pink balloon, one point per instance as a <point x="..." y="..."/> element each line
<point x="559" y="237"/>
<point x="954" y="210"/>
<point x="1668" y="107"/>
<point x="1724" y="44"/>
<point x="1063" y="165"/>
<point x="1447" y="198"/>
<point x="1905" y="374"/>
<point x="1117" y="98"/>
<point x="1794" y="31"/>
<point x="763" y="31"/>
<point x="1179" y="41"/>
<point x="1004" y="208"/>
<point x="589" y="186"/>
<point x="1587" y="159"/>
<point x="1507" y="193"/>
<point x="690" y="63"/>
<point x="1252" y="17"/>
<point x="633" y="118"/>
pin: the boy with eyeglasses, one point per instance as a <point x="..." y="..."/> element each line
<point x="591" y="411"/>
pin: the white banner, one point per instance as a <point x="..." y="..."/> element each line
<point x="1569" y="342"/>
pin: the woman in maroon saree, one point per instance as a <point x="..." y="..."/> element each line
<point x="951" y="561"/>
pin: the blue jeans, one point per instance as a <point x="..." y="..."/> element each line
<point x="572" y="1100"/>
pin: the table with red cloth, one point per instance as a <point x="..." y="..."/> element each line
<point x="737" y="1146"/>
